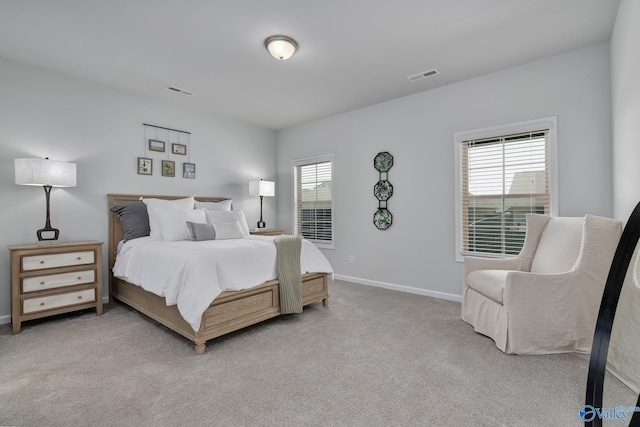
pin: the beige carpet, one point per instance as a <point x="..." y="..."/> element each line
<point x="372" y="358"/>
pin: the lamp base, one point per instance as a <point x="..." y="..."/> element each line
<point x="55" y="232"/>
<point x="262" y="224"/>
<point x="47" y="224"/>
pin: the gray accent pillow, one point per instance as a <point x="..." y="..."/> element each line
<point x="199" y="231"/>
<point x="134" y="219"/>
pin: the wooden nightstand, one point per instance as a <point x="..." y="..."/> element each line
<point x="49" y="279"/>
<point x="266" y="232"/>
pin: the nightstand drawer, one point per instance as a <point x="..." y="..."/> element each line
<point x="39" y="283"/>
<point x="55" y="301"/>
<point x="40" y="262"/>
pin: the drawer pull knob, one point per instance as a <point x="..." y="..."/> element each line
<point x="41" y="262"/>
<point x="41" y="304"/>
<point x="79" y="258"/>
<point x="42" y="283"/>
<point x="79" y="296"/>
<point x="79" y="277"/>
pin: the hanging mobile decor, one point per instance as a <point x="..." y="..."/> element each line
<point x="383" y="190"/>
<point x="159" y="139"/>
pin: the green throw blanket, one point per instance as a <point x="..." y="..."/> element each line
<point x="288" y="269"/>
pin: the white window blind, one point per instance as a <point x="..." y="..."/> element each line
<point x="502" y="179"/>
<point x="313" y="200"/>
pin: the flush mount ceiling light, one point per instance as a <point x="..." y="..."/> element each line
<point x="281" y="47"/>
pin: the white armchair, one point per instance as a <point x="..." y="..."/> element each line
<point x="546" y="299"/>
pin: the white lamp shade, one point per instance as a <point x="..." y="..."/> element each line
<point x="281" y="47"/>
<point x="262" y="188"/>
<point x="45" y="172"/>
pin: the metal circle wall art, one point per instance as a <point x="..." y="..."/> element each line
<point x="383" y="190"/>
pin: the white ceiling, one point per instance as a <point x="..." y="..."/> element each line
<point x="352" y="53"/>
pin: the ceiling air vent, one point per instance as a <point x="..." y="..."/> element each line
<point x="423" y="75"/>
<point x="178" y="90"/>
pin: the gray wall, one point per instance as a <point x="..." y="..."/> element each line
<point x="43" y="113"/>
<point x="625" y="94"/>
<point x="416" y="253"/>
<point x="46" y="114"/>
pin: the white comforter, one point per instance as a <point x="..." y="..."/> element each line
<point x="192" y="274"/>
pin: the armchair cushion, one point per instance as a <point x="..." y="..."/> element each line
<point x="559" y="246"/>
<point x="489" y="283"/>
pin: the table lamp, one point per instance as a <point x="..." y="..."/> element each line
<point x="262" y="188"/>
<point x="48" y="173"/>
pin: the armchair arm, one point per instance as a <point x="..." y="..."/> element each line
<point x="473" y="263"/>
<point x="552" y="312"/>
<point x="599" y="241"/>
<point x="533" y="293"/>
<point x="521" y="262"/>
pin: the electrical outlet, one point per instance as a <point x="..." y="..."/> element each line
<point x="352" y="259"/>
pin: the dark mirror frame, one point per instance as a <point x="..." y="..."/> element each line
<point x="606" y="315"/>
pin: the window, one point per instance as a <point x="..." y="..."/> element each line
<point x="503" y="174"/>
<point x="313" y="200"/>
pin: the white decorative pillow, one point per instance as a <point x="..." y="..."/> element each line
<point x="153" y="204"/>
<point x="215" y="217"/>
<point x="222" y="205"/>
<point x="228" y="230"/>
<point x="173" y="222"/>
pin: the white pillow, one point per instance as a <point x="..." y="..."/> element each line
<point x="228" y="230"/>
<point x="222" y="205"/>
<point x="153" y="204"/>
<point x="214" y="217"/>
<point x="173" y="222"/>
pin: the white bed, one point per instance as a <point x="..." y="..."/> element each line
<point x="193" y="274"/>
<point x="203" y="289"/>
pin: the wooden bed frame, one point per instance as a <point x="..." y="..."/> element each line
<point x="229" y="312"/>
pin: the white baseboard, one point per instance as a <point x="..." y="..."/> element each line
<point x="407" y="289"/>
<point x="5" y="319"/>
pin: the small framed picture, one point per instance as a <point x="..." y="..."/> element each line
<point x="145" y="166"/>
<point x="155" y="145"/>
<point x="168" y="168"/>
<point x="179" y="149"/>
<point x="189" y="170"/>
